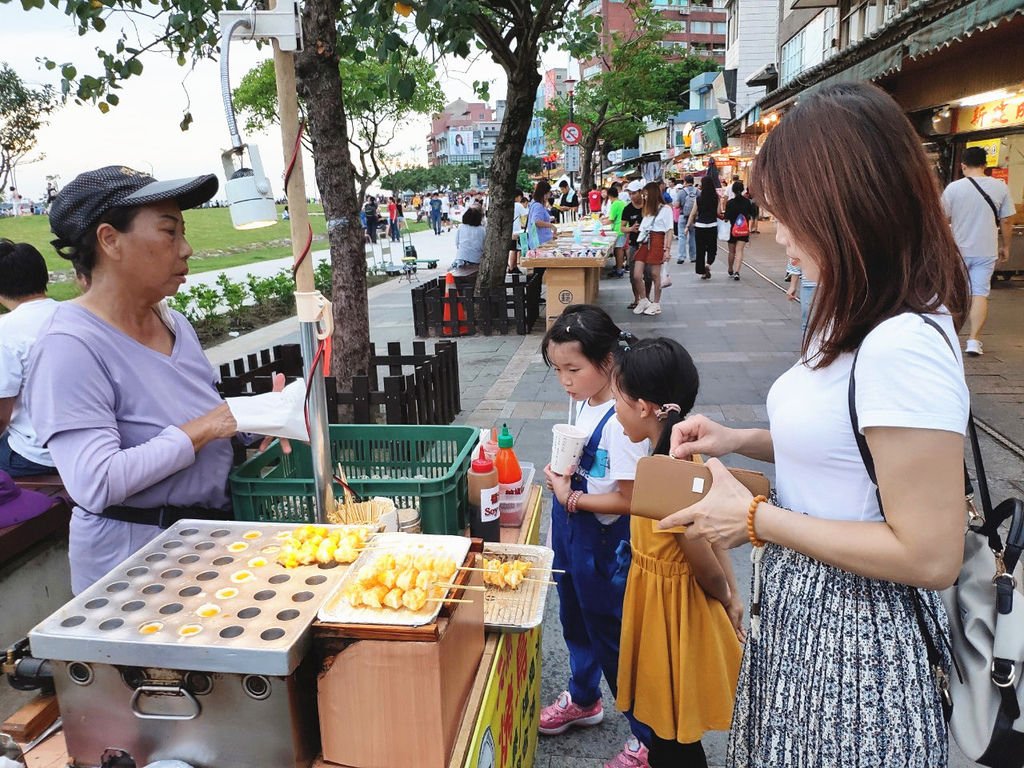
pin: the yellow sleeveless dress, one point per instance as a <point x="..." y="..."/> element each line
<point x="679" y="658"/>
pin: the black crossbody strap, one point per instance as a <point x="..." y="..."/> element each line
<point x="995" y="211"/>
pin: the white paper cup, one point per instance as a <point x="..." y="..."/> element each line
<point x="566" y="448"/>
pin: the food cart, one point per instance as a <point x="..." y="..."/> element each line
<point x="195" y="634"/>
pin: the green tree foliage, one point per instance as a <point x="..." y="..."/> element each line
<point x="374" y="110"/>
<point x="23" y="111"/>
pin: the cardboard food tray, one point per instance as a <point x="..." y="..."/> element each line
<point x="518" y="610"/>
<point x="336" y="609"/>
<point x="665" y="485"/>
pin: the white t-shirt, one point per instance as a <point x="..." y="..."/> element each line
<point x="906" y="377"/>
<point x="662" y="222"/>
<point x="970" y="215"/>
<point x="19" y="331"/>
<point x="518" y="217"/>
<point x="616" y="454"/>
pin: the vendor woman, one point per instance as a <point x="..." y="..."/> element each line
<point x="125" y="401"/>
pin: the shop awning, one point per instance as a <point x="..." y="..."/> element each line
<point x="814" y="4"/>
<point x="963" y="22"/>
<point x="882" y="63"/>
<point x="767" y="76"/>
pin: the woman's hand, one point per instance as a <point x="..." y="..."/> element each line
<point x="218" y="423"/>
<point x="734" y="610"/>
<point x="559" y="485"/>
<point x="721" y="516"/>
<point x="699" y="434"/>
<point x="791" y="292"/>
<point x="277" y="380"/>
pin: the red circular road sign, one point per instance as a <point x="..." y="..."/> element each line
<point x="571" y="134"/>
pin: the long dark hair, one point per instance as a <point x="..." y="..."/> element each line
<point x="876" y="261"/>
<point x="708" y="190"/>
<point x="652" y="199"/>
<point x="661" y="372"/>
<point x="592" y="327"/>
<point x="540" y="192"/>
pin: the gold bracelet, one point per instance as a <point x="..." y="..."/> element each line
<point x="751" y="533"/>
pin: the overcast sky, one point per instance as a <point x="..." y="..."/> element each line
<point x="142" y="131"/>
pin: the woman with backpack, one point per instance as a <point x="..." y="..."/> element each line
<point x="739" y="212"/>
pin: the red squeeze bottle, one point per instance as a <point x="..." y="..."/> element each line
<point x="510" y="474"/>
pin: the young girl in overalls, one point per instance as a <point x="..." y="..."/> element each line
<point x="589" y="523"/>
<point x="682" y="612"/>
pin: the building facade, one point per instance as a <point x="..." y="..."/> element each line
<point x="751" y="45"/>
<point x="551" y="86"/>
<point x="463" y="133"/>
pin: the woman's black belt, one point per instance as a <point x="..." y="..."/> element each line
<point x="166" y="516"/>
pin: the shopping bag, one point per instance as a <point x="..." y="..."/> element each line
<point x="724" y="229"/>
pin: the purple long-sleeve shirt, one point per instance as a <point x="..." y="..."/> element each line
<point x="109" y="408"/>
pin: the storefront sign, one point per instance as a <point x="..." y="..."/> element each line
<point x="992" y="114"/>
<point x="991" y="147"/>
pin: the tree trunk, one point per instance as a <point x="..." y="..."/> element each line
<point x="508" y="151"/>
<point x="589" y="145"/>
<point x="319" y="83"/>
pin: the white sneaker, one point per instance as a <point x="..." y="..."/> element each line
<point x="653" y="309"/>
<point x="974" y="348"/>
<point x="641" y="306"/>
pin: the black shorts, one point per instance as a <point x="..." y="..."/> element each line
<point x="444" y="217"/>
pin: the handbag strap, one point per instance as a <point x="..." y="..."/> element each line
<point x="992" y="205"/>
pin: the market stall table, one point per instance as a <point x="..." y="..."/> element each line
<point x="572" y="270"/>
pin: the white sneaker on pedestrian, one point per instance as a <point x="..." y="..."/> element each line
<point x="653" y="309"/>
<point x="974" y="348"/>
<point x="641" y="306"/>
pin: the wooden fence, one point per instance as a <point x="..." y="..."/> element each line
<point x="509" y="309"/>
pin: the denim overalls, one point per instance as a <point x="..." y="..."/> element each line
<point x="591" y="590"/>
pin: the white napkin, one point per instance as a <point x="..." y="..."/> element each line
<point x="279" y="414"/>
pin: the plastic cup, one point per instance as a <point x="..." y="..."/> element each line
<point x="566" y="448"/>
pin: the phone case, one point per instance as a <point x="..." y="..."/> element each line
<point x="664" y="485"/>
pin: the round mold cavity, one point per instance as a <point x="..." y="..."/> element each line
<point x="301" y="597"/>
<point x="264" y="594"/>
<point x="188" y="531"/>
<point x="190" y="630"/>
<point x="133" y="605"/>
<point x="153" y="589"/>
<point x="208" y="610"/>
<point x="232" y="631"/>
<point x="173" y="544"/>
<point x="117" y="586"/>
<point x="238" y="546"/>
<point x="250" y="535"/>
<point x="220" y="533"/>
<point x="96" y="602"/>
<point x="110" y="624"/>
<point x="280" y="578"/>
<point x="191" y="591"/>
<point x="271" y="549"/>
<point x="72" y="621"/>
<point x="171" y="608"/>
<point x="274" y="633"/>
<point x="171" y="573"/>
<point x="288" y="614"/>
<point x="188" y="559"/>
<point x="226" y="593"/>
<point x="139" y="570"/>
<point x="156" y="557"/>
<point x="224" y="560"/>
<point x="151" y="627"/>
<point x="249" y="613"/>
<point x="314" y="581"/>
<point x="207" y="575"/>
<point x="202" y="546"/>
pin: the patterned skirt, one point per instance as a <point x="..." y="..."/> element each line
<point x="839" y="676"/>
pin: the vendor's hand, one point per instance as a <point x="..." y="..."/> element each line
<point x="214" y="425"/>
<point x="699" y="434"/>
<point x="1004" y="253"/>
<point x="286" y="445"/>
<point x="559" y="485"/>
<point x="721" y="516"/>
<point x="734" y="610"/>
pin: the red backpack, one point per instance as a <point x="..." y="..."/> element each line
<point x="740" y="227"/>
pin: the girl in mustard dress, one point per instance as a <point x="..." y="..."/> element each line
<point x="679" y="655"/>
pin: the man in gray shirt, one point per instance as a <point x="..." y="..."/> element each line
<point x="978" y="206"/>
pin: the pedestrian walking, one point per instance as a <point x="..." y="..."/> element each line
<point x="614" y="219"/>
<point x="703" y="222"/>
<point x="632" y="215"/>
<point x="739" y="212"/>
<point x="978" y="207"/>
<point x="589" y="524"/>
<point x="845" y="660"/>
<point x="371" y="213"/>
<point x="393" y="220"/>
<point x="435" y="213"/>
<point x="682" y="612"/>
<point x="686" y="198"/>
<point x="654" y="242"/>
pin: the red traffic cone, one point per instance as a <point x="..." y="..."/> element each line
<point x="451" y="292"/>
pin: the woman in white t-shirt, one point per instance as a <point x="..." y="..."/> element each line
<point x="847" y="630"/>
<point x="654" y="249"/>
<point x="518" y="221"/>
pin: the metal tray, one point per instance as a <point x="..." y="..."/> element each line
<point x="264" y="629"/>
<point x="518" y="610"/>
<point x="337" y="610"/>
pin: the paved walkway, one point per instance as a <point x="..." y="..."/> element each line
<point x="742" y="336"/>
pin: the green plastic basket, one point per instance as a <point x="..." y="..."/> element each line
<point x="417" y="466"/>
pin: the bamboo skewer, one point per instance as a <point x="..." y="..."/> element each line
<point x="447" y="600"/>
<point x="542" y="581"/>
<point x="467" y="587"/>
<point x="491" y="570"/>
